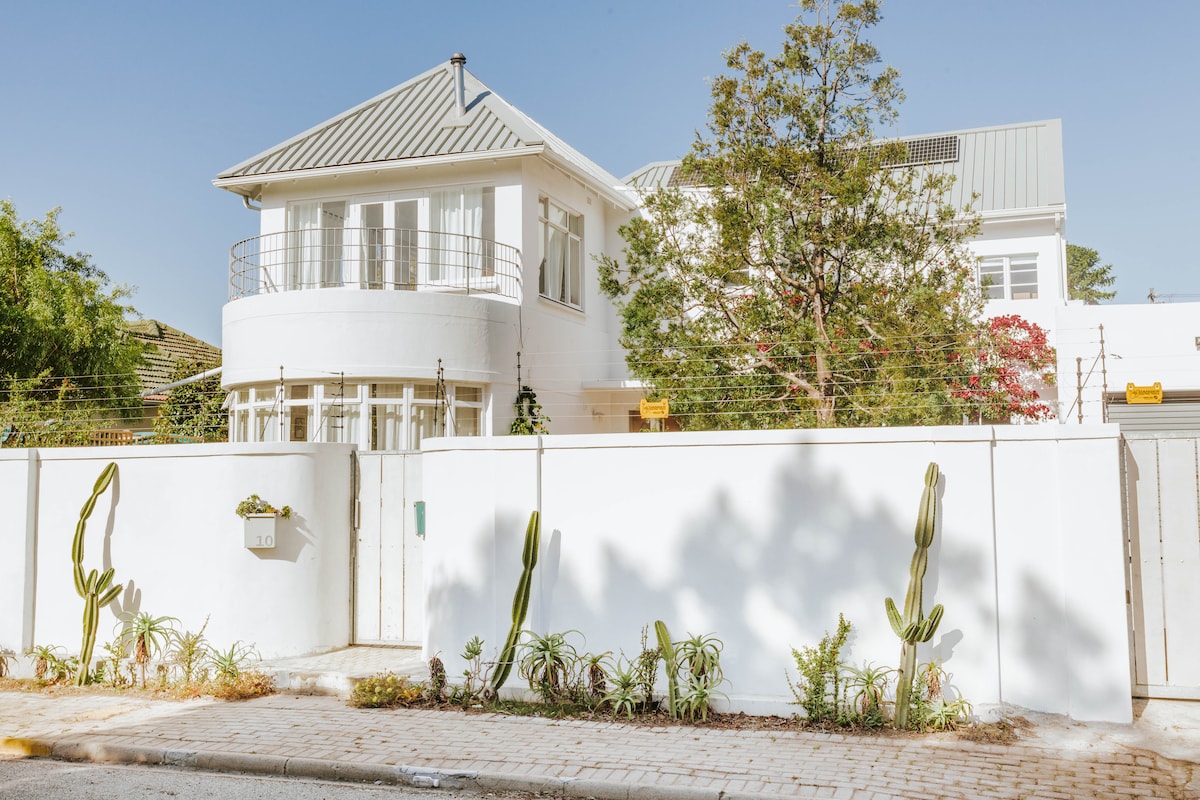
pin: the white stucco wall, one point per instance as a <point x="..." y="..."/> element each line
<point x="763" y="537"/>
<point x="316" y="335"/>
<point x="167" y="526"/>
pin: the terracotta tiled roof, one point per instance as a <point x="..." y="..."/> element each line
<point x="167" y="346"/>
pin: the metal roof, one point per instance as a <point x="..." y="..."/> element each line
<point x="417" y="120"/>
<point x="1009" y="167"/>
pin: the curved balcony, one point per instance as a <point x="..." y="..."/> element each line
<point x="384" y="259"/>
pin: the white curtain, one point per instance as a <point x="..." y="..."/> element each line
<point x="554" y="269"/>
<point x="456" y="215"/>
<point x="304" y="230"/>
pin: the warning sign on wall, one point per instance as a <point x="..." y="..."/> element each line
<point x="1143" y="394"/>
<point x="654" y="409"/>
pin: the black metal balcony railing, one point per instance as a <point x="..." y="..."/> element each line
<point x="373" y="258"/>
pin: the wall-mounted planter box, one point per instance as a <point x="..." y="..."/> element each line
<point x="260" y="531"/>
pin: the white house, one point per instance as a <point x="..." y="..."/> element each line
<point x="410" y="249"/>
<point x="412" y="246"/>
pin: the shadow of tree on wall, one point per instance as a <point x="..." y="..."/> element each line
<point x="773" y="575"/>
<point x="762" y="586"/>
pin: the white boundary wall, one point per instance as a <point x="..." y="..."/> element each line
<point x="167" y="526"/>
<point x="763" y="537"/>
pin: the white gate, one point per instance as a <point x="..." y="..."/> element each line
<point x="388" y="596"/>
<point x="1162" y="484"/>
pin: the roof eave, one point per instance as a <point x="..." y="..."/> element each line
<point x="612" y="194"/>
<point x="245" y="185"/>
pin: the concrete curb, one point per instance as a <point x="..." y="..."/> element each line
<point x="329" y="770"/>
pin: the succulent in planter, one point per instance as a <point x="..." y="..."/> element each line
<point x="256" y="505"/>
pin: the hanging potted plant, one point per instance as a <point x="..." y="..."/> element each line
<point x="260" y="519"/>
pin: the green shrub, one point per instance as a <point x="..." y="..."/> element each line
<point x="818" y="689"/>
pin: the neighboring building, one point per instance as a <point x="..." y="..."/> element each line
<point x="166" y="347"/>
<point x="1102" y="349"/>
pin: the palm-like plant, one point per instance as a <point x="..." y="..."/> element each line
<point x="6" y="660"/>
<point x="46" y="660"/>
<point x="148" y="636"/>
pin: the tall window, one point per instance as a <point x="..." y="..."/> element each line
<point x="316" y="236"/>
<point x="1009" y="277"/>
<point x="340" y="409"/>
<point x="461" y="220"/>
<point x="561" y="244"/>
<point x="468" y="411"/>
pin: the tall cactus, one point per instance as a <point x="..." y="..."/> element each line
<point x="671" y="664"/>
<point x="520" y="607"/>
<point x="915" y="627"/>
<point x="95" y="588"/>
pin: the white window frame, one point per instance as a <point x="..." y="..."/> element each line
<point x="570" y="292"/>
<point x="1009" y="274"/>
<point x="254" y="411"/>
<point x="319" y="255"/>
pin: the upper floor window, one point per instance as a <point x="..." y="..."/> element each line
<point x="1009" y="277"/>
<point x="560" y="240"/>
<point x="442" y="238"/>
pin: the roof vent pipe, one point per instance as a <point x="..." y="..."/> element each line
<point x="460" y="91"/>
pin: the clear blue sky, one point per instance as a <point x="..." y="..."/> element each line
<point x="123" y="112"/>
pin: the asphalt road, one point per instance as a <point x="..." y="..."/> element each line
<point x="37" y="779"/>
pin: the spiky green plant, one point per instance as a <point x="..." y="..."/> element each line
<point x="95" y="588"/>
<point x="625" y="694"/>
<point x="670" y="663"/>
<point x="520" y="607"/>
<point x="914" y="627"/>
<point x="548" y="663"/>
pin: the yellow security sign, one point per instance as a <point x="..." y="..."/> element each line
<point x="1143" y="394"/>
<point x="655" y="409"/>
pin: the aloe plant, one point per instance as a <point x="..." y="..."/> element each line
<point x="914" y="627"/>
<point x="95" y="588"/>
<point x="520" y="607"/>
<point x="671" y="664"/>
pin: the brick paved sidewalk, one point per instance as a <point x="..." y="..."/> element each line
<point x="322" y="737"/>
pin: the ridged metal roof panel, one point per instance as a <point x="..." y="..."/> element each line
<point x="1009" y="167"/>
<point x="416" y="119"/>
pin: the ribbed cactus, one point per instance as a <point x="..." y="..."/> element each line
<point x="671" y="664"/>
<point x="915" y="627"/>
<point x="95" y="588"/>
<point x="533" y="538"/>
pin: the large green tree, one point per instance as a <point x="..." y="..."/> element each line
<point x="60" y="319"/>
<point x="1087" y="278"/>
<point x="808" y="277"/>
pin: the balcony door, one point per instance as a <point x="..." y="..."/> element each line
<point x="441" y="238"/>
<point x="385" y="243"/>
<point x="316" y="239"/>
